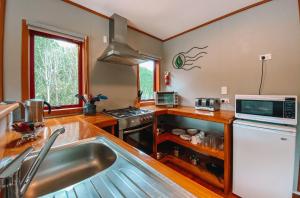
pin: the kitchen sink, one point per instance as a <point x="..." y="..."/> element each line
<point x="67" y="166"/>
<point x="97" y="167"/>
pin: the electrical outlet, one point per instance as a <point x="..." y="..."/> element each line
<point x="225" y="101"/>
<point x="267" y="57"/>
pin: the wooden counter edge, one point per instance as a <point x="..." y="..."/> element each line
<point x="7" y="108"/>
<point x="186" y="111"/>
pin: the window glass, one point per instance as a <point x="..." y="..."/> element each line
<point x="56" y="70"/>
<point x="146" y="80"/>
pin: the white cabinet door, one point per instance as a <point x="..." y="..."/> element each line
<point x="263" y="162"/>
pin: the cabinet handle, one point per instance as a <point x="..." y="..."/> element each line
<point x="283" y="139"/>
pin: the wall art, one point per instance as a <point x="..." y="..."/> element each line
<point x="186" y="60"/>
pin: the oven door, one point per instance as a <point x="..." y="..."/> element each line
<point x="140" y="137"/>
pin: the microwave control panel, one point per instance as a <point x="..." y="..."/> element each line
<point x="289" y="108"/>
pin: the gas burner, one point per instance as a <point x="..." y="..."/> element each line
<point x="131" y="117"/>
<point x="128" y="112"/>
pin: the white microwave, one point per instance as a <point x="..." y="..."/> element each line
<point x="277" y="109"/>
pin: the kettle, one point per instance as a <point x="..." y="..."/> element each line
<point x="34" y="110"/>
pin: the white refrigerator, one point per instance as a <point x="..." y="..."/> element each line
<point x="263" y="159"/>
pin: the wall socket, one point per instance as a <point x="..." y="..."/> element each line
<point x="267" y="56"/>
<point x="225" y="101"/>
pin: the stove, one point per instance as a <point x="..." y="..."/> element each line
<point x="135" y="126"/>
<point x="128" y="112"/>
<point x="131" y="119"/>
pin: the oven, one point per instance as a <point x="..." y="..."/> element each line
<point x="135" y="126"/>
<point x="140" y="137"/>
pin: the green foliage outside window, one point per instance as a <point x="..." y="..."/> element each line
<point x="56" y="71"/>
<point x="147" y="79"/>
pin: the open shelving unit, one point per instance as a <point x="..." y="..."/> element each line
<point x="198" y="148"/>
<point x="224" y="117"/>
<point x="200" y="172"/>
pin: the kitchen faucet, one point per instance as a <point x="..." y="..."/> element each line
<point x="11" y="185"/>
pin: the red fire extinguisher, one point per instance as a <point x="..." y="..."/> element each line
<point x="167" y="78"/>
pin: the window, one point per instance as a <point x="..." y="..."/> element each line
<point x="148" y="79"/>
<point x="55" y="69"/>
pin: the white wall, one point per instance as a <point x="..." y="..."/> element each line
<point x="234" y="45"/>
<point x="116" y="81"/>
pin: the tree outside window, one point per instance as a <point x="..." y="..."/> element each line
<point x="55" y="69"/>
<point x="146" y="79"/>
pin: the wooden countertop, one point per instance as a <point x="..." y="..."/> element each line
<point x="5" y="109"/>
<point x="221" y="116"/>
<point x="78" y="128"/>
<point x="100" y="119"/>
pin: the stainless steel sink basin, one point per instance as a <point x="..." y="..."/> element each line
<point x="97" y="167"/>
<point x="66" y="166"/>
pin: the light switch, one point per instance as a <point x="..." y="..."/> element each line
<point x="224" y="90"/>
<point x="104" y="39"/>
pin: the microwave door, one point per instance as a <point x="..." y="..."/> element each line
<point x="268" y="108"/>
<point x="260" y="108"/>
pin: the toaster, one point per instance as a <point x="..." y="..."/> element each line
<point x="208" y="104"/>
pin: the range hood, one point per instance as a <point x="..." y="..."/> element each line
<point x="118" y="51"/>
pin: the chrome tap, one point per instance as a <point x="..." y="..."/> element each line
<point x="11" y="185"/>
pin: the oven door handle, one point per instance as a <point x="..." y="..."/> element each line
<point x="138" y="129"/>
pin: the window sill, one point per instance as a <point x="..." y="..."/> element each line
<point x="147" y="103"/>
<point x="63" y="112"/>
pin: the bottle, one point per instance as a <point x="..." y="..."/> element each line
<point x="176" y="151"/>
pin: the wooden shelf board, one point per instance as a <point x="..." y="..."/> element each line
<point x="198" y="148"/>
<point x="196" y="171"/>
<point x="220" y="116"/>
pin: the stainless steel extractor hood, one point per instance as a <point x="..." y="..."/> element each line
<point x="118" y="51"/>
